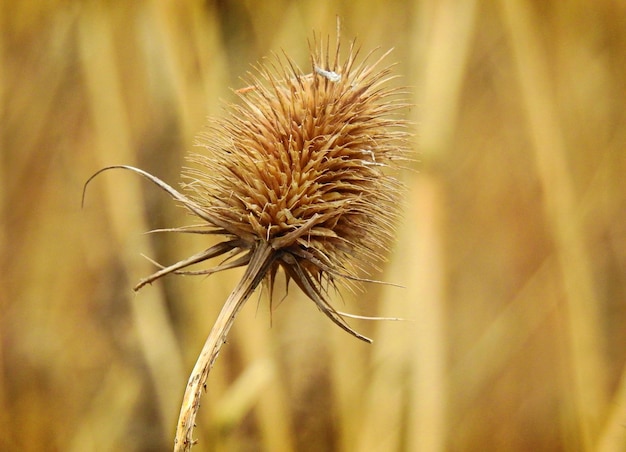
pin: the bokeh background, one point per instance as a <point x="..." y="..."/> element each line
<point x="512" y="250"/>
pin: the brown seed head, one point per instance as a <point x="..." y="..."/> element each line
<point x="300" y="164"/>
<point x="296" y="176"/>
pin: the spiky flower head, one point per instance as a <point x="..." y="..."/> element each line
<point x="300" y="164"/>
<point x="297" y="175"/>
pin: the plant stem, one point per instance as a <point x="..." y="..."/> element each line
<point x="261" y="260"/>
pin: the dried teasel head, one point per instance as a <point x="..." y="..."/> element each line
<point x="298" y="175"/>
<point x="300" y="165"/>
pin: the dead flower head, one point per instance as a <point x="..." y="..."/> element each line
<point x="298" y="166"/>
<point x="298" y="176"/>
<point x="295" y="176"/>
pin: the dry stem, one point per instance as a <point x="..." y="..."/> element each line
<point x="262" y="258"/>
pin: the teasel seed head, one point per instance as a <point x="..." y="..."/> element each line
<point x="298" y="175"/>
<point x="302" y="163"/>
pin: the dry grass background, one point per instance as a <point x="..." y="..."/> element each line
<point x="512" y="249"/>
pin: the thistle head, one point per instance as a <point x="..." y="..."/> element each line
<point x="301" y="163"/>
<point x="301" y="166"/>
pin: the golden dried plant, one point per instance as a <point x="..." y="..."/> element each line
<point x="298" y="176"/>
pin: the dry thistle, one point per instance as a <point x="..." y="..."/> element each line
<point x="294" y="178"/>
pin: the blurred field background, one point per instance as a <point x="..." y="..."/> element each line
<point x="512" y="250"/>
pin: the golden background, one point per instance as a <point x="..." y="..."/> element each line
<point x="512" y="252"/>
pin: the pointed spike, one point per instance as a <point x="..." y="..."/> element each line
<point x="306" y="284"/>
<point x="214" y="251"/>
